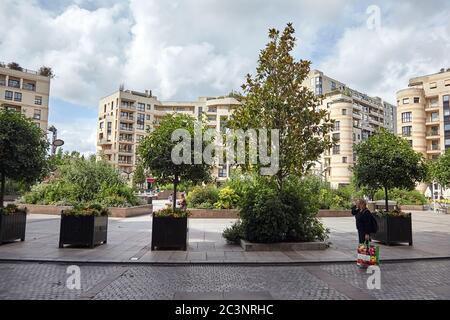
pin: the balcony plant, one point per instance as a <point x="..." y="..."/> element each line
<point x="84" y="225"/>
<point x="15" y="66"/>
<point x="13" y="222"/>
<point x="46" y="72"/>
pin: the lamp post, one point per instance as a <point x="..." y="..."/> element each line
<point x="55" y="141"/>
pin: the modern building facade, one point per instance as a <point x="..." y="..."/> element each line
<point x="27" y="92"/>
<point x="424" y="115"/>
<point x="126" y="116"/>
<point x="356" y="116"/>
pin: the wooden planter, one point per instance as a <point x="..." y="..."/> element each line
<point x="83" y="230"/>
<point x="12" y="227"/>
<point x="169" y="233"/>
<point x="394" y="230"/>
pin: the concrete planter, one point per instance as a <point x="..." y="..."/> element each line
<point x="169" y="233"/>
<point x="12" y="227"/>
<point x="214" y="213"/>
<point x="83" y="230"/>
<point x="115" y="212"/>
<point x="394" y="230"/>
<point x="283" y="246"/>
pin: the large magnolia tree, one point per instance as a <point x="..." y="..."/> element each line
<point x="276" y="99"/>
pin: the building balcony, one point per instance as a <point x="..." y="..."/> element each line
<point x="127" y="118"/>
<point x="128" y="106"/>
<point x="126" y="129"/>
<point x="103" y="142"/>
<point x="431" y="122"/>
<point x="126" y="140"/>
<point x="125" y="163"/>
<point x="432" y="108"/>
<point x="107" y="151"/>
<point x="29" y="87"/>
<point x="2" y="82"/>
<point x="125" y="150"/>
<point x="432" y="135"/>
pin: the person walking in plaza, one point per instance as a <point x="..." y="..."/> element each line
<point x="365" y="222"/>
<point x="183" y="203"/>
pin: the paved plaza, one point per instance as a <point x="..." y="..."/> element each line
<point x="129" y="242"/>
<point x="411" y="280"/>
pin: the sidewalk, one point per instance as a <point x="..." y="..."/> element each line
<point x="129" y="242"/>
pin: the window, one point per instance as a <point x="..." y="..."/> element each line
<point x="344" y="159"/>
<point x="149" y="107"/>
<point x="344" y="112"/>
<point x="416" y="100"/>
<point x="354" y="136"/>
<point x="101" y="125"/>
<point x="222" y="172"/>
<point x="406" y="131"/>
<point x="140" y="121"/>
<point x="17" y="96"/>
<point x="112" y="105"/>
<point x="406" y="101"/>
<point x="9" y="95"/>
<point x="406" y="117"/>
<point x="445" y="98"/>
<point x="14" y="83"/>
<point x="333" y="85"/>
<point x="447" y="83"/>
<point x="148" y="117"/>
<point x="434" y="116"/>
<point x="337" y="126"/>
<point x="433" y="85"/>
<point x="434" y="102"/>
<point x="212" y="109"/>
<point x="29" y="86"/>
<point x="336" y="149"/>
<point x="38" y="100"/>
<point x="37" y="114"/>
<point x="141" y="106"/>
<point x="109" y="127"/>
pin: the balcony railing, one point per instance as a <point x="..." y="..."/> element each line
<point x="126" y="139"/>
<point x="129" y="118"/>
<point x="126" y="162"/>
<point x="126" y="128"/>
<point x="29" y="87"/>
<point x="3" y="82"/>
<point x="128" y="106"/>
<point x="122" y="150"/>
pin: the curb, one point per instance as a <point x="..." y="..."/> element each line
<point x="206" y="263"/>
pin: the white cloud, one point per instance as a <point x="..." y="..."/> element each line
<point x="79" y="135"/>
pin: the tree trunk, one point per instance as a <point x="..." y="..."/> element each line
<point x="174" y="198"/>
<point x="2" y="188"/>
<point x="386" y="198"/>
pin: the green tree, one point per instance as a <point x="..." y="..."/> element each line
<point x="276" y="99"/>
<point x="155" y="151"/>
<point x="23" y="150"/>
<point x="439" y="170"/>
<point x="139" y="176"/>
<point x="386" y="161"/>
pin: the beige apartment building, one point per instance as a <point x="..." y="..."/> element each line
<point x="356" y="116"/>
<point x="424" y="114"/>
<point x="25" y="91"/>
<point x="125" y="116"/>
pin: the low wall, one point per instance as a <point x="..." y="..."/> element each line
<point x="164" y="195"/>
<point x="334" y="213"/>
<point x="214" y="213"/>
<point x="412" y="208"/>
<point x="115" y="212"/>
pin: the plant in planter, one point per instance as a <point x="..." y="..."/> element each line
<point x="393" y="227"/>
<point x="84" y="225"/>
<point x="157" y="152"/>
<point x="13" y="221"/>
<point x="169" y="229"/>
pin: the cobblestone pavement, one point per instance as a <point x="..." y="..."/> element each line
<point x="409" y="280"/>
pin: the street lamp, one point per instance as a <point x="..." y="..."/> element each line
<point x="55" y="141"/>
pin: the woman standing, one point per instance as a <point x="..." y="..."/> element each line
<point x="364" y="221"/>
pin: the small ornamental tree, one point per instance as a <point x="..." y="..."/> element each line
<point x="440" y="170"/>
<point x="139" y="176"/>
<point x="23" y="150"/>
<point x="155" y="151"/>
<point x="386" y="161"/>
<point x="275" y="98"/>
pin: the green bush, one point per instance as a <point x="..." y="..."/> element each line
<point x="78" y="180"/>
<point x="228" y="199"/>
<point x="85" y="209"/>
<point x="269" y="215"/>
<point x="235" y="233"/>
<point x="170" y="213"/>
<point x="11" y="209"/>
<point x="203" y="196"/>
<point x="403" y="197"/>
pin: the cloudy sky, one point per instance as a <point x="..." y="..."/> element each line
<point x="182" y="49"/>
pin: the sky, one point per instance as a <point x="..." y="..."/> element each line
<point x="183" y="49"/>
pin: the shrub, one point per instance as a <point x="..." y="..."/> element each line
<point x="170" y="212"/>
<point x="11" y="209"/>
<point x="403" y="197"/>
<point x="203" y="196"/>
<point x="228" y="199"/>
<point x="269" y="215"/>
<point x="79" y="180"/>
<point x="235" y="233"/>
<point x="93" y="209"/>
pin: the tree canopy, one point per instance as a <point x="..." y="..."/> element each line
<point x="386" y="161"/>
<point x="155" y="151"/>
<point x="23" y="149"/>
<point x="440" y="170"/>
<point x="276" y="99"/>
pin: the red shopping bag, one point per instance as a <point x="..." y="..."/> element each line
<point x="368" y="255"/>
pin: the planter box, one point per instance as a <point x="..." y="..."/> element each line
<point x="115" y="212"/>
<point x="169" y="233"/>
<point x="283" y="246"/>
<point x="83" y="231"/>
<point x="394" y="230"/>
<point x="12" y="227"/>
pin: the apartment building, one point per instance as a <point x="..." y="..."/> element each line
<point x="25" y="91"/>
<point x="424" y="116"/>
<point x="356" y="116"/>
<point x="126" y="116"/>
<point x="424" y="113"/>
